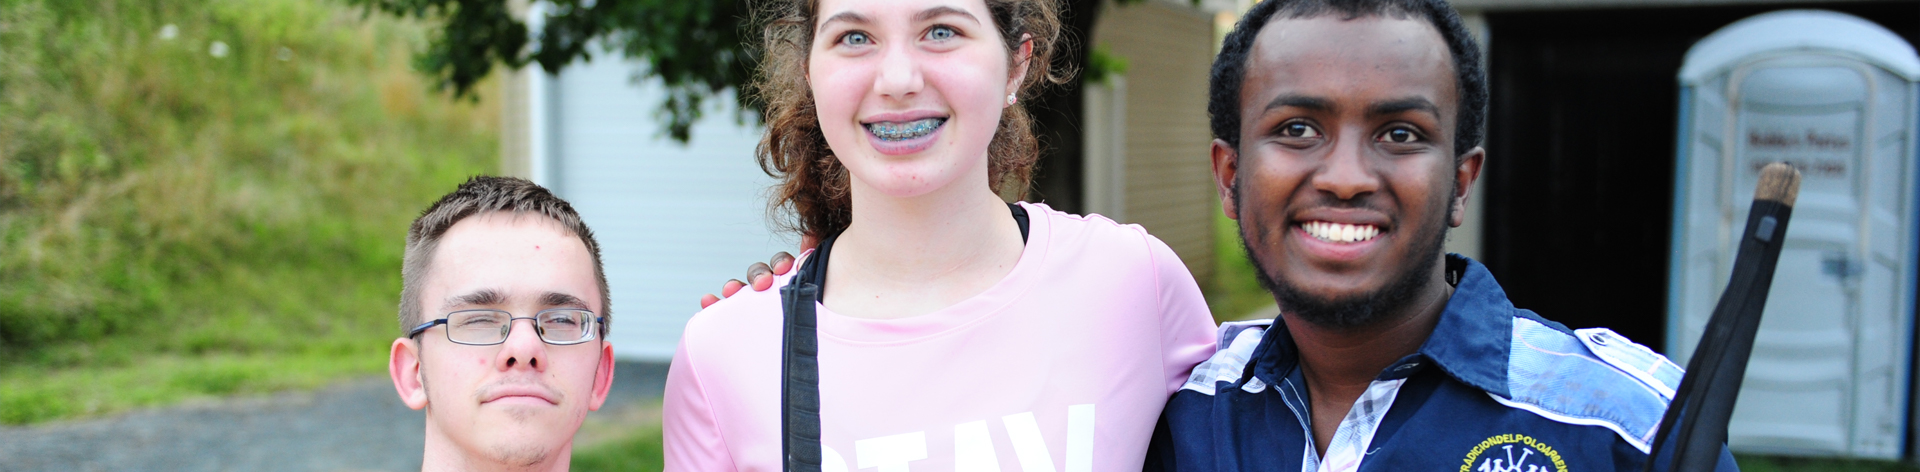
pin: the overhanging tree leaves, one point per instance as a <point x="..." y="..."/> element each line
<point x="698" y="49"/>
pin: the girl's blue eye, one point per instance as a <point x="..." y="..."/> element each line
<point x="941" y="33"/>
<point x="856" y="39"/>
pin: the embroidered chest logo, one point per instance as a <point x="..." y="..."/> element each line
<point x="1513" y="453"/>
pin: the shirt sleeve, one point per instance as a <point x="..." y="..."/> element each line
<point x="690" y="435"/>
<point x="1186" y="326"/>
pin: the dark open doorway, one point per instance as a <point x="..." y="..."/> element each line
<point x="1580" y="149"/>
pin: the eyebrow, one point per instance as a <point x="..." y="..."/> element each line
<point x="481" y="297"/>
<point x="924" y="15"/>
<point x="1402" y="105"/>
<point x="1377" y="109"/>
<point x="940" y="11"/>
<point x="561" y="299"/>
<point x="846" y="16"/>
<point x="1299" y="101"/>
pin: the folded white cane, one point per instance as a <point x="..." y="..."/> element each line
<point x="1704" y="402"/>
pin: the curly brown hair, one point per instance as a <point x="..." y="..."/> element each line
<point x="812" y="197"/>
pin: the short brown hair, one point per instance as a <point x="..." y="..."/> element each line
<point x="813" y="184"/>
<point x="481" y="195"/>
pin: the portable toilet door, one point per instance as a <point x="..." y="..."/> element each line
<point x="1834" y="95"/>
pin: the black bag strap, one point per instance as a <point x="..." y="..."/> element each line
<point x="800" y="361"/>
<point x="1019" y="217"/>
<point x="800" y="356"/>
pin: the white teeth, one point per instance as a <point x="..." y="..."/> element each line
<point x="1340" y="232"/>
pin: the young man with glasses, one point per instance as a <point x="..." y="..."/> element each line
<point x="505" y="309"/>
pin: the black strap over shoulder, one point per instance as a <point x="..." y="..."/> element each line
<point x="800" y="361"/>
<point x="800" y="358"/>
<point x="1019" y="217"/>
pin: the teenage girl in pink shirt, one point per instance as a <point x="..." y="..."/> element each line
<point x="955" y="332"/>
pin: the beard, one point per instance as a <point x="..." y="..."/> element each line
<point x="1360" y="309"/>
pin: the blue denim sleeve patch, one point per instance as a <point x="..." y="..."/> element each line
<point x="1556" y="375"/>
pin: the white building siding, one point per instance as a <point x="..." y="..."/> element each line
<point x="673" y="221"/>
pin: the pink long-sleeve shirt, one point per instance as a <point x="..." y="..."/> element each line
<point x="1063" y="365"/>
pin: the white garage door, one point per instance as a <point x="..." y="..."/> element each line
<point x="673" y="221"/>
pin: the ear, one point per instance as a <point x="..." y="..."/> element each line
<point x="1022" y="60"/>
<point x="403" y="364"/>
<point x="602" y="377"/>
<point x="1463" y="177"/>
<point x="1226" y="166"/>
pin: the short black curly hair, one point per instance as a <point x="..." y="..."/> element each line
<point x="1230" y="67"/>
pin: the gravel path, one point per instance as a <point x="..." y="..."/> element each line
<point x="359" y="425"/>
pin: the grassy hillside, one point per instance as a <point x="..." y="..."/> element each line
<point x="208" y="197"/>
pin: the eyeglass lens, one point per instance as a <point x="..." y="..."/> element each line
<point x="492" y="327"/>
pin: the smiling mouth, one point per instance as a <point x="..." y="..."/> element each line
<point x="1340" y="232"/>
<point x="892" y="131"/>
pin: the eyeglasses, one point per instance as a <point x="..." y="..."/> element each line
<point x="558" y="326"/>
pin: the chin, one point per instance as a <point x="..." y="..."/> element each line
<point x="1331" y="301"/>
<point x="910" y="179"/>
<point x="519" y="454"/>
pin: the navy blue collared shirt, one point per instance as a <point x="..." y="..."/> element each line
<point x="1493" y="389"/>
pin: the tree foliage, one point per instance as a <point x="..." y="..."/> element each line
<point x="698" y="49"/>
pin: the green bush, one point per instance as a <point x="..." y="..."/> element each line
<point x="161" y="204"/>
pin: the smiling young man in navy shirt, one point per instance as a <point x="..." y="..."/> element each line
<point x="1347" y="139"/>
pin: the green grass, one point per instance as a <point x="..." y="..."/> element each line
<point x="635" y="453"/>
<point x="175" y="224"/>
<point x="1233" y="292"/>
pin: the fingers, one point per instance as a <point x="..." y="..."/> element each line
<point x="782" y="263"/>
<point x="726" y="290"/>
<point x="761" y="276"/>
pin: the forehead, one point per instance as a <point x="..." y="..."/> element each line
<point x="1365" y="59"/>
<point x="521" y="256"/>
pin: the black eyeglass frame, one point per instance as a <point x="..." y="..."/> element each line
<point x="592" y="332"/>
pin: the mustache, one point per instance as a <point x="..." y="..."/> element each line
<point x="1315" y="200"/>
<point x="1323" y="200"/>
<point x="518" y="385"/>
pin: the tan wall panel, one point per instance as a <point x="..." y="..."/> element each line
<point x="1169" y="188"/>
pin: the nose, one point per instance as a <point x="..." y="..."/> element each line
<point x="899" y="76"/>
<point x="523" y="348"/>
<point x="1345" y="172"/>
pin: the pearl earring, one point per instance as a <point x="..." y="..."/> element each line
<point x="1010" y="99"/>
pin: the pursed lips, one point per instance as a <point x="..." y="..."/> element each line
<point x="494" y="392"/>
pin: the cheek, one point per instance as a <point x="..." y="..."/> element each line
<point x="576" y="372"/>
<point x="972" y="84"/>
<point x="1268" y="179"/>
<point x="837" y="92"/>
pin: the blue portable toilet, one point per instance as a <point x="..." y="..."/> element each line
<point x="1834" y="95"/>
